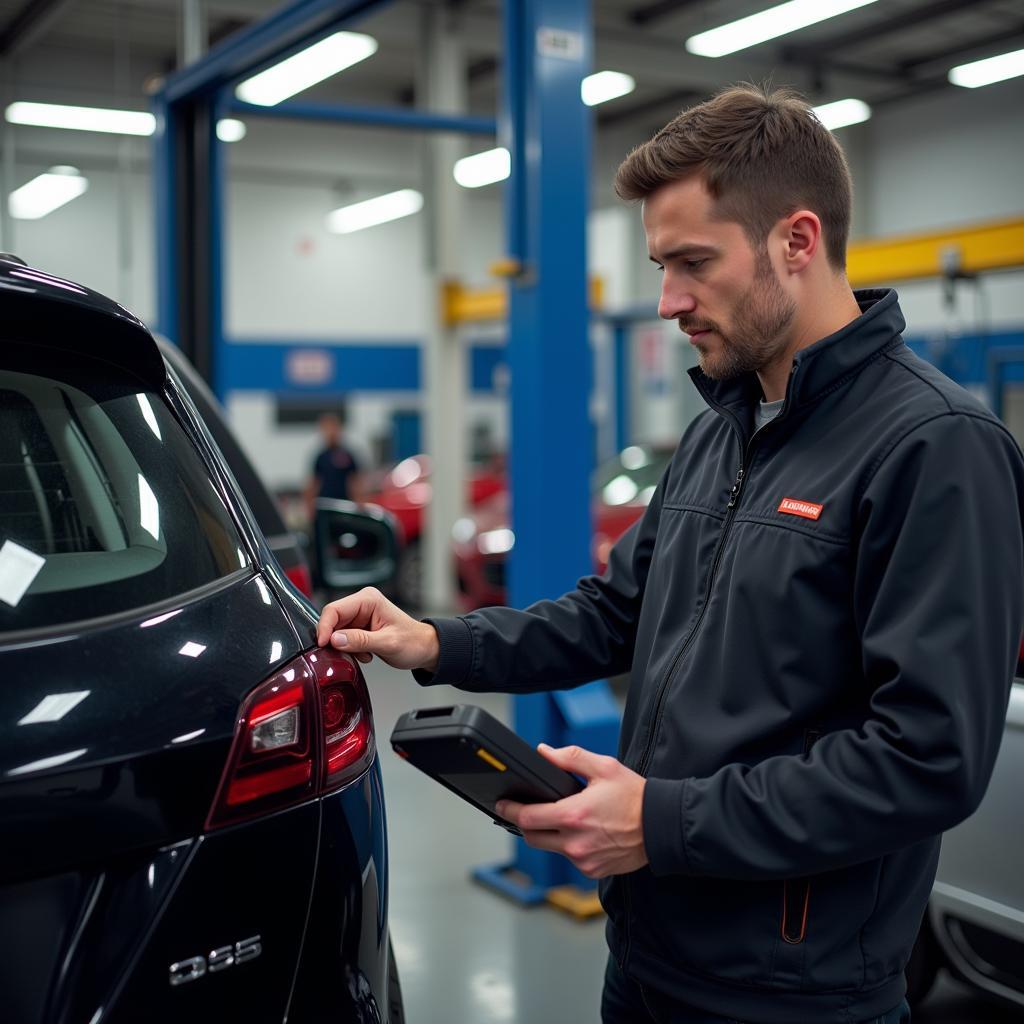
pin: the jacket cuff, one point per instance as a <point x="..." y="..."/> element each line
<point x="456" y="658"/>
<point x="664" y="826"/>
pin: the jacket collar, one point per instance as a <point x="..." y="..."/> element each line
<point x="819" y="367"/>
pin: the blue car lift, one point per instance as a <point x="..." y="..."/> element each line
<point x="546" y="128"/>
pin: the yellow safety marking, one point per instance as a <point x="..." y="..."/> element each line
<point x="506" y="268"/>
<point x="581" y="904"/>
<point x="973" y="248"/>
<point x="473" y="305"/>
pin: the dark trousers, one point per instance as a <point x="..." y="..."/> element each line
<point x="626" y="1002"/>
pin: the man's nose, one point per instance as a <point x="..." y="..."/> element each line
<point x="675" y="301"/>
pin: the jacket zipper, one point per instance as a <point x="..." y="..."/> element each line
<point x="734" y="497"/>
<point x="796" y="893"/>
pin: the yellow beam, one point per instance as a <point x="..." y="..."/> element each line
<point x="994" y="246"/>
<point x="475" y="305"/>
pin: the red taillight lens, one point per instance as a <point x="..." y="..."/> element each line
<point x="346" y="717"/>
<point x="305" y="731"/>
<point x="301" y="579"/>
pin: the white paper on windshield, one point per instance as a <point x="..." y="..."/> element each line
<point x="18" y="568"/>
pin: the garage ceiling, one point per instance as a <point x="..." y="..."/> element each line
<point x="883" y="53"/>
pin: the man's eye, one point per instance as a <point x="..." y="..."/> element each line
<point x="695" y="264"/>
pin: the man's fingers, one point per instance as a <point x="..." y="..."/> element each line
<point x="544" y="816"/>
<point x="354" y="610"/>
<point x="574" y="759"/>
<point x="337" y="613"/>
<point x="357" y="642"/>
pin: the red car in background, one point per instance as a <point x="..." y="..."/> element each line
<point x="621" y="488"/>
<point x="404" y="490"/>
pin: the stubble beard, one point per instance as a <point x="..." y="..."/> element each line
<point x="757" y="337"/>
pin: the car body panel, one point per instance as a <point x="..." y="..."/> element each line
<point x="108" y="875"/>
<point x="980" y="879"/>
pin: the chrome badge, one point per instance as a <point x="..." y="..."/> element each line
<point x="219" y="959"/>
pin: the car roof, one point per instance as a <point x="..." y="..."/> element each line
<point x="84" y="320"/>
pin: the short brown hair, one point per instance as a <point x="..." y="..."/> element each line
<point x="762" y="156"/>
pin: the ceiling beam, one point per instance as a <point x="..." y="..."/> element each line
<point x="894" y="23"/>
<point x="29" y="24"/>
<point x="677" y="98"/>
<point x="1007" y="35"/>
<point x="659" y="9"/>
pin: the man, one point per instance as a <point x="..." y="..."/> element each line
<point x="335" y="470"/>
<point x="820" y="610"/>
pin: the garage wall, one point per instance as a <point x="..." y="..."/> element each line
<point x="288" y="277"/>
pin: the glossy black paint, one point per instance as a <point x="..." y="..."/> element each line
<point x="106" y="874"/>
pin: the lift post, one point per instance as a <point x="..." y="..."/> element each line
<point x="546" y="128"/>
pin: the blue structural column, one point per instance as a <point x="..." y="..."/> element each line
<point x="621" y="336"/>
<point x="547" y="130"/>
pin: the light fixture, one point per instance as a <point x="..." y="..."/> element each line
<point x="483" y="168"/>
<point x="989" y="70"/>
<point x="82" y="119"/>
<point x="496" y="542"/>
<point x="769" y="24"/>
<point x="46" y="193"/>
<point x="604" y="86"/>
<point x="378" y="210"/>
<point x="306" y="68"/>
<point x="230" y="129"/>
<point x="842" y="113"/>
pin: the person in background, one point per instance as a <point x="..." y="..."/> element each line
<point x="335" y="470"/>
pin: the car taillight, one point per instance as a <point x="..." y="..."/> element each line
<point x="301" y="579"/>
<point x="305" y="731"/>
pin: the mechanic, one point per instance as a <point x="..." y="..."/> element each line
<point x="335" y="469"/>
<point x="820" y="610"/>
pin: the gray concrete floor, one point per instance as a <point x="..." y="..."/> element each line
<point x="468" y="956"/>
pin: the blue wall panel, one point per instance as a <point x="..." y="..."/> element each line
<point x="313" y="368"/>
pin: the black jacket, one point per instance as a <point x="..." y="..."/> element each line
<point x="816" y="693"/>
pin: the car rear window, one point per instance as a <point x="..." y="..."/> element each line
<point x="105" y="504"/>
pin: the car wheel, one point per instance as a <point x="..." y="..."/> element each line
<point x="409" y="578"/>
<point x="396" y="1010"/>
<point x="924" y="964"/>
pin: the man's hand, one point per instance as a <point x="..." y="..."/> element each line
<point x="600" y="829"/>
<point x="367" y="623"/>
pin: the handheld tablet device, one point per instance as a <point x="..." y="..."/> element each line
<point x="471" y="753"/>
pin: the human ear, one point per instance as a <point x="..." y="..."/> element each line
<point x="801" y="237"/>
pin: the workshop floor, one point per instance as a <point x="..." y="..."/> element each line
<point x="468" y="956"/>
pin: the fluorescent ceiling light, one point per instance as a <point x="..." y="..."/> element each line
<point x="375" y="211"/>
<point x="769" y="24"/>
<point x="305" y="69"/>
<point x="992" y="69"/>
<point x="46" y="193"/>
<point x="483" y="168"/>
<point x="842" y="113"/>
<point x="604" y="86"/>
<point x="83" y="119"/>
<point x="230" y="129"/>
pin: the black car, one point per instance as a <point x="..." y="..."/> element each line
<point x="191" y="811"/>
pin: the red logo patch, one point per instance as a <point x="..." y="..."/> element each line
<point x="805" y="509"/>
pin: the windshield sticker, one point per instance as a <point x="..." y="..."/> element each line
<point x="18" y="568"/>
